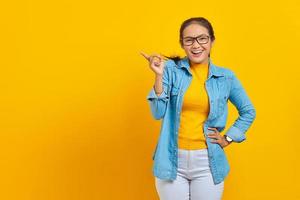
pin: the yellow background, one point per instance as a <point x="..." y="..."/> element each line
<point x="74" y="120"/>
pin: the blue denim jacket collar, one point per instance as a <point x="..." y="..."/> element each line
<point x="213" y="70"/>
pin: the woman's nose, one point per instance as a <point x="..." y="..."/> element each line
<point x="196" y="44"/>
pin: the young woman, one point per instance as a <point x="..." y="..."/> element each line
<point x="191" y="94"/>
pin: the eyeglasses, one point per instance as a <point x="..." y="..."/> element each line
<point x="201" y="39"/>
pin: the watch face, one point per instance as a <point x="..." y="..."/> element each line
<point x="228" y="139"/>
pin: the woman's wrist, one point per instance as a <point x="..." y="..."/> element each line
<point x="158" y="84"/>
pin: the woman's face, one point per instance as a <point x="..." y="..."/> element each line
<point x="197" y="53"/>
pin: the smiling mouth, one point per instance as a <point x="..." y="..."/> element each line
<point x="197" y="53"/>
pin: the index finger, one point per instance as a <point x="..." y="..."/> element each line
<point x="145" y="55"/>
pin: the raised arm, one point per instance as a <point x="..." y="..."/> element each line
<point x="158" y="102"/>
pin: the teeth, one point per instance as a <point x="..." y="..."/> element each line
<point x="197" y="51"/>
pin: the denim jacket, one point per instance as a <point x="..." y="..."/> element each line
<point x="221" y="85"/>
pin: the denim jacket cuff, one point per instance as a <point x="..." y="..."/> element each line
<point x="236" y="134"/>
<point x="153" y="95"/>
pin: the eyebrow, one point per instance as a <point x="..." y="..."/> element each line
<point x="195" y="37"/>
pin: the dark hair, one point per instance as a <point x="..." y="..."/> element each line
<point x="195" y="20"/>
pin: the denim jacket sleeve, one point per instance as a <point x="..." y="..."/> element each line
<point x="246" y="110"/>
<point x="158" y="104"/>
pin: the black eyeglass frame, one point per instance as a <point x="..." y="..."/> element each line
<point x="195" y="38"/>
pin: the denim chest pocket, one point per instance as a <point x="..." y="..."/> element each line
<point x="223" y="94"/>
<point x="173" y="95"/>
<point x="222" y="102"/>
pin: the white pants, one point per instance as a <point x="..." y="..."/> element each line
<point x="194" y="179"/>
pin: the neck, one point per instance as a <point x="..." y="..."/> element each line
<point x="192" y="64"/>
<point x="205" y="62"/>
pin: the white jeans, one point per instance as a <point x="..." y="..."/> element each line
<point x="194" y="179"/>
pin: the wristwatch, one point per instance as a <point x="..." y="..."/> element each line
<point x="228" y="138"/>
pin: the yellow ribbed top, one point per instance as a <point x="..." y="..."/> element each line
<point x="195" y="110"/>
